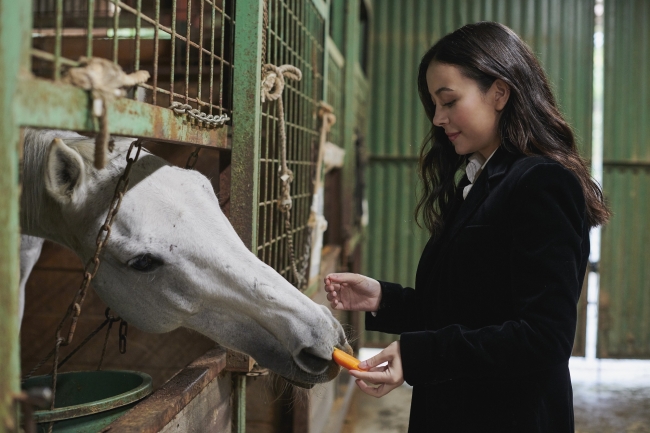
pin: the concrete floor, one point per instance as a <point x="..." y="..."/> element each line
<point x="610" y="396"/>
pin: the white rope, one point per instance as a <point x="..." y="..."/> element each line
<point x="198" y="115"/>
<point x="272" y="87"/>
<point x="106" y="81"/>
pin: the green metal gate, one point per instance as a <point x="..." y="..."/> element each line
<point x="185" y="45"/>
<point x="190" y="48"/>
<point x="560" y="32"/>
<point x="624" y="304"/>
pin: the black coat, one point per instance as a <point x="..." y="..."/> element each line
<point x="487" y="334"/>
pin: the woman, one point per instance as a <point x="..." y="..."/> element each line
<point x="486" y="336"/>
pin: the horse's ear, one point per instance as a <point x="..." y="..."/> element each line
<point x="64" y="173"/>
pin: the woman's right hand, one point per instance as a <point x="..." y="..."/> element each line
<point x="352" y="292"/>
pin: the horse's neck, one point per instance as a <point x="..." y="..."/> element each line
<point x="40" y="214"/>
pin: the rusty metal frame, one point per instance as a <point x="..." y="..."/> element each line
<point x="141" y="34"/>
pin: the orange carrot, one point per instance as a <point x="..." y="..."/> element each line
<point x="345" y="360"/>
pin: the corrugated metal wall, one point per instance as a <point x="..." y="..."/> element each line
<point x="560" y="32"/>
<point x="624" y="313"/>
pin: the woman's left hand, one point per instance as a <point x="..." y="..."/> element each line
<point x="386" y="378"/>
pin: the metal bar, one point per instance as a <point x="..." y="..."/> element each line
<point x="246" y="121"/>
<point x="198" y="96"/>
<point x="57" y="40"/>
<point x="44" y="55"/>
<point x="321" y="7"/>
<point x="212" y="29"/>
<point x="221" y="58"/>
<point x="239" y="420"/>
<point x="609" y="163"/>
<point x="334" y="53"/>
<point x="173" y="54"/>
<point x="187" y="50"/>
<point x="138" y="19"/>
<point x="89" y="36"/>
<point x="15" y="41"/>
<point x="116" y="20"/>
<point x="66" y="107"/>
<point x="156" y="44"/>
<point x="351" y="38"/>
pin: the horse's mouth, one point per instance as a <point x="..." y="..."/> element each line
<point x="308" y="363"/>
<point x="307" y="380"/>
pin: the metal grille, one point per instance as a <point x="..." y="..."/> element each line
<point x="361" y="100"/>
<point x="335" y="84"/>
<point x="186" y="45"/>
<point x="295" y="35"/>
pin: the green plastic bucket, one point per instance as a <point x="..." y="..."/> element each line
<point x="88" y="401"/>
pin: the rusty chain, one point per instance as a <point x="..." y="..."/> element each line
<point x="92" y="266"/>
<point x="191" y="160"/>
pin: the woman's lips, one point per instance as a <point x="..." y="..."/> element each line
<point x="453" y="136"/>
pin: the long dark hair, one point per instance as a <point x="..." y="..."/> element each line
<point x="530" y="122"/>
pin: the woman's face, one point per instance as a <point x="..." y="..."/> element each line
<point x="469" y="117"/>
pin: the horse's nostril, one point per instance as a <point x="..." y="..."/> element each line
<point x="311" y="362"/>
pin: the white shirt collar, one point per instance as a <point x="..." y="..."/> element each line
<point x="475" y="165"/>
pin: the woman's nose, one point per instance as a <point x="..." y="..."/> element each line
<point x="439" y="119"/>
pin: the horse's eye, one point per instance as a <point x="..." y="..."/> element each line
<point x="144" y="263"/>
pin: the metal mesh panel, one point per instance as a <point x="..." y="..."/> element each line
<point x="335" y="84"/>
<point x="186" y="45"/>
<point x="361" y="100"/>
<point x="294" y="36"/>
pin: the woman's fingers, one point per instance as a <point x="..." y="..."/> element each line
<point x="386" y="355"/>
<point x="377" y="377"/>
<point x="375" y="391"/>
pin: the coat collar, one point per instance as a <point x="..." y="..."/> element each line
<point x="489" y="177"/>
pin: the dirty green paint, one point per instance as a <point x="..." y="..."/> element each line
<point x="67" y="107"/>
<point x="15" y="28"/>
<point x="624" y="304"/>
<point x="348" y="119"/>
<point x="334" y="93"/>
<point x="560" y="32"/>
<point x="246" y="121"/>
<point x="245" y="149"/>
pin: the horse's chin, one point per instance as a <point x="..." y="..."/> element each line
<point x="300" y="384"/>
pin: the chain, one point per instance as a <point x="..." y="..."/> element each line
<point x="90" y="270"/>
<point x="198" y="115"/>
<point x="191" y="160"/>
<point x="109" y="321"/>
<point x="124" y="328"/>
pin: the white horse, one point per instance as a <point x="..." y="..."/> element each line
<point x="172" y="259"/>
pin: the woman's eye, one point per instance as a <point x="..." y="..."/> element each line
<point x="144" y="263"/>
<point x="449" y="104"/>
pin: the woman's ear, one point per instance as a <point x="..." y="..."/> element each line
<point x="501" y="93"/>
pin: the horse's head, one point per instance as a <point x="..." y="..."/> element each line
<point x="173" y="259"/>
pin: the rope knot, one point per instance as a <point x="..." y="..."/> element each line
<point x="273" y="79"/>
<point x="105" y="81"/>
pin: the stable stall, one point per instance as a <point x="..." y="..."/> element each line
<point x="283" y="155"/>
